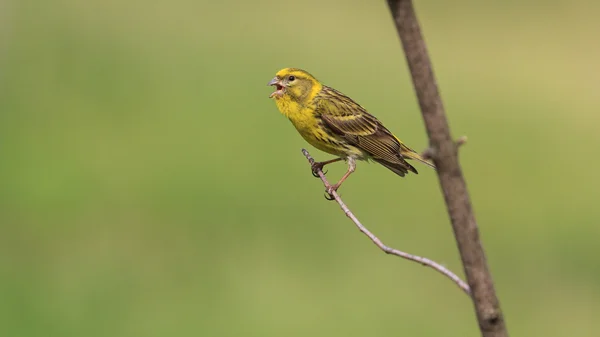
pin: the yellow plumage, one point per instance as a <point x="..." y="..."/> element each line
<point x="332" y="122"/>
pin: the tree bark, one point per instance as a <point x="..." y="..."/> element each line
<point x="444" y="152"/>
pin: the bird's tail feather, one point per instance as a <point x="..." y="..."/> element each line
<point x="400" y="168"/>
<point x="410" y="154"/>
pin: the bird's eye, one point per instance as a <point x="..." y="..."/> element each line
<point x="291" y="78"/>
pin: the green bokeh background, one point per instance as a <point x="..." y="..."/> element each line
<point x="150" y="188"/>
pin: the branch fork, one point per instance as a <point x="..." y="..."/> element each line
<point x="453" y="185"/>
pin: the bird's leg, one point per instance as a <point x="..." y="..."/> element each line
<point x="351" y="168"/>
<point x="316" y="166"/>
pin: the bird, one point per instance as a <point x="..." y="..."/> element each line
<point x="334" y="123"/>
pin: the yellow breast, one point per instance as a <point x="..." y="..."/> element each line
<point x="310" y="128"/>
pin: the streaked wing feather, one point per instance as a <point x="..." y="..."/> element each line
<point x="363" y="130"/>
<point x="380" y="146"/>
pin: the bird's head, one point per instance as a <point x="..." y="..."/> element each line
<point x="294" y="84"/>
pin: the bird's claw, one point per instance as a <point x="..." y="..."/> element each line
<point x="315" y="168"/>
<point x="316" y="173"/>
<point x="329" y="192"/>
<point x="329" y="197"/>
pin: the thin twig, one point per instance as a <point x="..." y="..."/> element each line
<point x="388" y="250"/>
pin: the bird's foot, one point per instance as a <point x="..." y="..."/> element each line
<point x="316" y="167"/>
<point x="329" y="189"/>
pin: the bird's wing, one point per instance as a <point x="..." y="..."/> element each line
<point x="349" y="120"/>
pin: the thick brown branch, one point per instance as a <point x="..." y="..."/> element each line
<point x="444" y="152"/>
<point x="388" y="250"/>
<point x="429" y="153"/>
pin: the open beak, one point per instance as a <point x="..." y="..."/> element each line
<point x="278" y="87"/>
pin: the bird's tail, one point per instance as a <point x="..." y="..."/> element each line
<point x="409" y="153"/>
<point x="400" y="167"/>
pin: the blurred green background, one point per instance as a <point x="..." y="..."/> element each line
<point x="149" y="187"/>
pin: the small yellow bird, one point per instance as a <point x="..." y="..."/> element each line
<point x="334" y="123"/>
